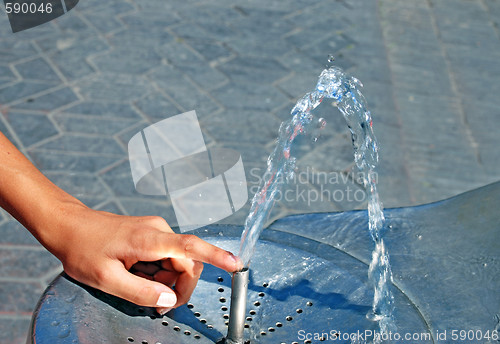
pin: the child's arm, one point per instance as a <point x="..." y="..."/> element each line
<point x="98" y="248"/>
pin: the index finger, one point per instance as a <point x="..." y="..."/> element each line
<point x="191" y="247"/>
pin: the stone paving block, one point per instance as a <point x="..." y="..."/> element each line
<point x="37" y="69"/>
<point x="83" y="143"/>
<point x="144" y="207"/>
<point x="337" y="45"/>
<point x="179" y="54"/>
<point x="299" y="83"/>
<point x="71" y="23"/>
<point x="19" y="298"/>
<point x="210" y="50"/>
<point x="474" y="62"/>
<point x="242" y="126"/>
<point x="49" y="101"/>
<point x="139" y="39"/>
<point x="188" y="30"/>
<point x="263" y="21"/>
<point x="257" y="69"/>
<point x="300" y="61"/>
<point x="415" y="80"/>
<point x="110" y="207"/>
<point x="12" y="49"/>
<point x="105" y="22"/>
<point x="104" y="109"/>
<point x="85" y="125"/>
<point x="138" y="61"/>
<point x="13" y="233"/>
<point x="80" y="185"/>
<point x="205" y="76"/>
<point x="472" y="35"/>
<point x="248" y="96"/>
<point x="463" y="11"/>
<point x="30" y="128"/>
<point x="156" y="107"/>
<point x="110" y="7"/>
<point x="6" y="131"/>
<point x="55" y="161"/>
<point x="370" y="70"/>
<point x="22" y="89"/>
<point x="150" y="20"/>
<point x="71" y="62"/>
<point x="6" y="75"/>
<point x="118" y="87"/>
<point x="26" y="263"/>
<point x="124" y="137"/>
<point x="334" y="155"/>
<point x="210" y="13"/>
<point x="14" y="331"/>
<point x="119" y="180"/>
<point x="184" y="92"/>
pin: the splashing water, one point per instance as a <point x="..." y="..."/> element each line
<point x="335" y="84"/>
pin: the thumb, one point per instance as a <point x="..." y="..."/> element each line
<point x="139" y="290"/>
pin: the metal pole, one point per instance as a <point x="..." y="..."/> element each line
<point x="239" y="286"/>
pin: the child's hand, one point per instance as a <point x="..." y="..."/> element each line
<point x="111" y="252"/>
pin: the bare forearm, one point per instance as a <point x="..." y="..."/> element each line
<point x="28" y="195"/>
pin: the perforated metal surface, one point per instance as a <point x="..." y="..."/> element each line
<point x="314" y="289"/>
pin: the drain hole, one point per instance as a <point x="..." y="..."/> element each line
<point x="322" y="339"/>
<point x="130" y="339"/>
<point x="271" y="329"/>
<point x="295" y="342"/>
<point x="261" y="294"/>
<point x="265" y="285"/>
<point x="197" y="314"/>
<point x="223" y="308"/>
<point x="307" y="341"/>
<point x="252" y="312"/>
<point x="197" y="336"/>
<point x="210" y="326"/>
<point x="247" y="326"/>
<point x="190" y="306"/>
<point x="220" y="290"/>
<point x="220" y="279"/>
<point x="177" y="328"/>
<point x="249" y="318"/>
<point x="289" y="318"/>
<point x="144" y="342"/>
<point x="256" y="303"/>
<point x="278" y="324"/>
<point x="152" y="317"/>
<point x="141" y="310"/>
<point x="187" y="333"/>
<point x="263" y="333"/>
<point x="222" y="299"/>
<point x="226" y="316"/>
<point x="309" y="303"/>
<point x="226" y="323"/>
<point x="299" y="310"/>
<point x="203" y="321"/>
<point x="164" y="323"/>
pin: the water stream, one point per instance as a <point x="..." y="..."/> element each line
<point x="334" y="84"/>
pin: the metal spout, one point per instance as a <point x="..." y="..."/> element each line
<point x="239" y="286"/>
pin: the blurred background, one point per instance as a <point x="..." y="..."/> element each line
<point x="75" y="90"/>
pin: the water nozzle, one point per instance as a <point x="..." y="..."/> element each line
<point x="237" y="311"/>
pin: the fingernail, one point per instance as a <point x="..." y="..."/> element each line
<point x="163" y="311"/>
<point x="166" y="300"/>
<point x="235" y="260"/>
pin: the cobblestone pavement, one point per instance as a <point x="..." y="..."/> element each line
<point x="75" y="90"/>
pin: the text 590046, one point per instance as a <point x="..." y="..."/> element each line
<point x="27" y="7"/>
